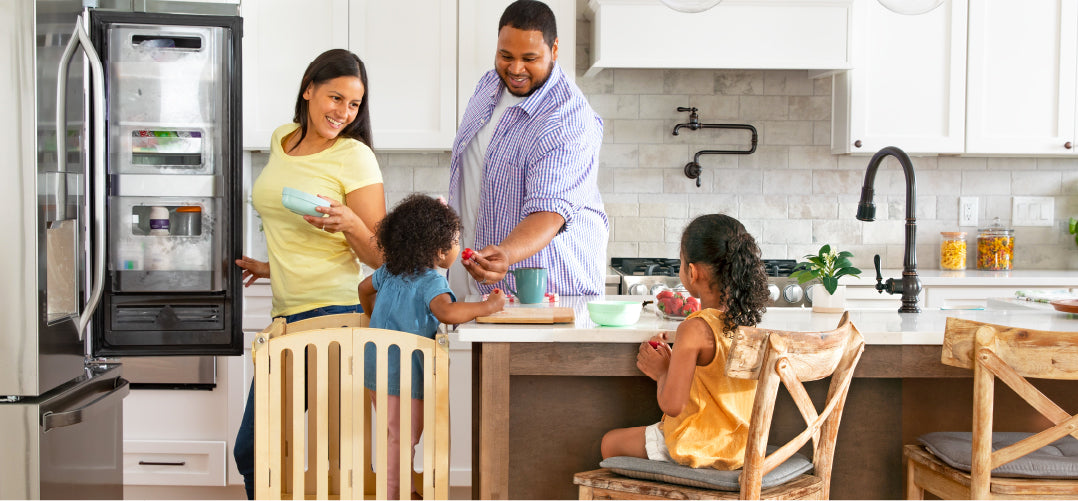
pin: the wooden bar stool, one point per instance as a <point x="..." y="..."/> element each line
<point x="1006" y="465"/>
<point x="772" y="357"/>
<point x="313" y="416"/>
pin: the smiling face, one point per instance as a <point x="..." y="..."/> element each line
<point x="523" y="60"/>
<point x="332" y="105"/>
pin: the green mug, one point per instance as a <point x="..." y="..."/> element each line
<point x="531" y="284"/>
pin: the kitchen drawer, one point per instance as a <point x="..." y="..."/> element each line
<point x="868" y="297"/>
<point x="174" y="462"/>
<point x="957" y="297"/>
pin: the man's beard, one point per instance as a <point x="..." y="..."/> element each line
<point x="533" y="88"/>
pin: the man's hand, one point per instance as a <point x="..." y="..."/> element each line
<point x="488" y="265"/>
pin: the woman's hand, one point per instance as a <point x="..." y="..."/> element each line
<point x="653" y="357"/>
<point x="338" y="217"/>
<point x="253" y="269"/>
<point x="488" y="265"/>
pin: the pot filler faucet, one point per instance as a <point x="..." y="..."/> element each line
<point x="909" y="285"/>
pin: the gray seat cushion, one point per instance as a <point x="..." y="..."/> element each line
<point x="1058" y="459"/>
<point x="705" y="478"/>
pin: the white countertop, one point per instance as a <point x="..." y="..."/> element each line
<point x="879" y="326"/>
<point x="975" y="278"/>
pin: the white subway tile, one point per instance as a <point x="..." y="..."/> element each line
<point x="688" y="81"/>
<point x="628" y="180"/>
<point x="764" y="107"/>
<point x="739" y="82"/>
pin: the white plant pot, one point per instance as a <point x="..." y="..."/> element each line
<point x="824" y="302"/>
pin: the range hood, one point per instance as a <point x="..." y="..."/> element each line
<point x="735" y="34"/>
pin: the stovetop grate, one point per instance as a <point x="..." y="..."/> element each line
<point x="648" y="266"/>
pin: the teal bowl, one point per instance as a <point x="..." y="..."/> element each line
<point x="615" y="313"/>
<point x="302" y="203"/>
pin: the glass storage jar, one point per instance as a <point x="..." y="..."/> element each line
<point x="952" y="250"/>
<point x="995" y="247"/>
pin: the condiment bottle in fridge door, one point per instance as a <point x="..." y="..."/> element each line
<point x="157" y="243"/>
<point x="952" y="250"/>
<point x="995" y="247"/>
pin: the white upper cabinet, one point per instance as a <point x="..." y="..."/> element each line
<point x="478" y="41"/>
<point x="408" y="46"/>
<point x="976" y="77"/>
<point x="765" y="34"/>
<point x="907" y="87"/>
<point x="1021" y="90"/>
<point x="280" y="37"/>
<point x="410" y="49"/>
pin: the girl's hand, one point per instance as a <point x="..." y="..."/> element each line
<point x="253" y="269"/>
<point x="654" y="360"/>
<point x="338" y="217"/>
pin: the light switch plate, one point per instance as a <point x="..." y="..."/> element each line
<point x="1032" y="211"/>
<point x="967" y="211"/>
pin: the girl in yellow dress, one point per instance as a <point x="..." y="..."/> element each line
<point x="705" y="420"/>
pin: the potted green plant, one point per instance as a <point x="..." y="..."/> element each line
<point x="827" y="266"/>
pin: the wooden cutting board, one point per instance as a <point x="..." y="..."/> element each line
<point x="544" y="315"/>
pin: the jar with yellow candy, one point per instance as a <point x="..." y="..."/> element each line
<point x="952" y="250"/>
<point x="995" y="247"/>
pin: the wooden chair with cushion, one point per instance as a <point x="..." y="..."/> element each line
<point x="313" y="427"/>
<point x="986" y="464"/>
<point x="772" y="357"/>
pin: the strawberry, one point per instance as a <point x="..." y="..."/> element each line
<point x="467" y="254"/>
<point x="675" y="305"/>
<point x="654" y="344"/>
<point x="664" y="294"/>
<point x="495" y="291"/>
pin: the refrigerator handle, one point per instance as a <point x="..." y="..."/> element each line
<point x="51" y="420"/>
<point x="81" y="39"/>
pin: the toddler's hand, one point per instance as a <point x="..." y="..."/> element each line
<point x="496" y="300"/>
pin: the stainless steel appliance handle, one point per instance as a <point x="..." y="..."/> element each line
<point x="80" y="38"/>
<point x="52" y="420"/>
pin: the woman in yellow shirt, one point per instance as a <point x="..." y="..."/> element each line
<point x="314" y="261"/>
<point x="705" y="413"/>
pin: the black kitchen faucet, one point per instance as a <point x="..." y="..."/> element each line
<point x="909" y="285"/>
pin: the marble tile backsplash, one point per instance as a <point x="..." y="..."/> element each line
<point x="792" y="193"/>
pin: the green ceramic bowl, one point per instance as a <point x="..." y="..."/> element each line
<point x="615" y="313"/>
<point x="302" y="203"/>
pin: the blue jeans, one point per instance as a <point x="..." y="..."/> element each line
<point x="244" y="450"/>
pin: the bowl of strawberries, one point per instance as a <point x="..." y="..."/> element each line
<point x="676" y="304"/>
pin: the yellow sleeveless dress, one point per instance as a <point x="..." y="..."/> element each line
<point x="712" y="430"/>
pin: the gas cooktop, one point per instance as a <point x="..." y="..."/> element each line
<point x="643" y="276"/>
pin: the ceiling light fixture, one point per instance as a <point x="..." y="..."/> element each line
<point x="910" y="7"/>
<point x="690" y="5"/>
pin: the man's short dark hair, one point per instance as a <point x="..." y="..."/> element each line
<point x="531" y="15"/>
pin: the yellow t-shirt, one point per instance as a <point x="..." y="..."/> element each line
<point x="310" y="268"/>
<point x="713" y="428"/>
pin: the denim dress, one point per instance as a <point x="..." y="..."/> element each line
<point x="403" y="304"/>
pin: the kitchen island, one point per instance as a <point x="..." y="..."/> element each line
<point x="543" y="395"/>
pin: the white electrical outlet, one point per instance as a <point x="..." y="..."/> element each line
<point x="1032" y="211"/>
<point x="967" y="211"/>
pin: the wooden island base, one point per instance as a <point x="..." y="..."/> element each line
<point x="560" y="398"/>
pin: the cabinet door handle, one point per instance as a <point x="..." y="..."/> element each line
<point x="1068" y="145"/>
<point x="857" y="143"/>
<point x="162" y="463"/>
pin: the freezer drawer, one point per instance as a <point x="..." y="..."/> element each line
<point x="66" y="444"/>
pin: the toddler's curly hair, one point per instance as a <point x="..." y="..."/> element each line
<point x="413" y="234"/>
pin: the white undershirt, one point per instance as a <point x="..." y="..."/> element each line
<point x="471" y="184"/>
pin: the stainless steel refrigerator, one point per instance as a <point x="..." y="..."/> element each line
<point x="120" y="201"/>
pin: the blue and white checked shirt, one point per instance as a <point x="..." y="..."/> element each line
<point x="543" y="156"/>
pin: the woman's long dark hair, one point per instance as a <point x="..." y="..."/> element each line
<point x="722" y="243"/>
<point x="331" y="64"/>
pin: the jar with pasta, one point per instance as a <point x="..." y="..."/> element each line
<point x="952" y="250"/>
<point x="995" y="247"/>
